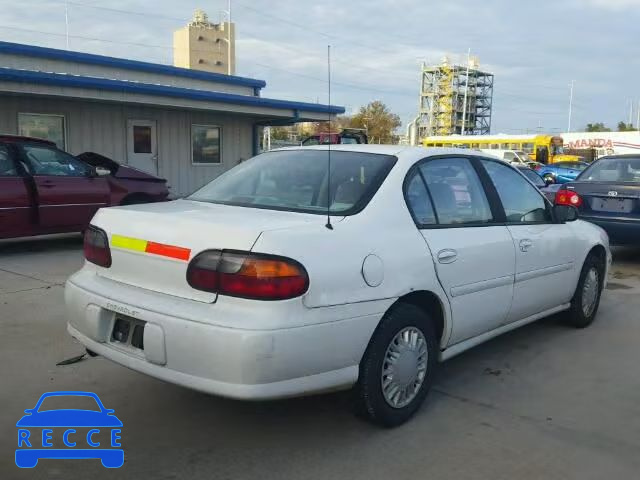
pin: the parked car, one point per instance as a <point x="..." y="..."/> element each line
<point x="257" y="287"/>
<point x="45" y="190"/>
<point x="549" y="191"/>
<point x="346" y="136"/>
<point x="515" y="157"/>
<point x="608" y="194"/>
<point x="561" y="172"/>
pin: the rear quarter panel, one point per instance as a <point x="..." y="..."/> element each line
<point x="334" y="258"/>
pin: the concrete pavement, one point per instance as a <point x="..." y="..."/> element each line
<point x="543" y="402"/>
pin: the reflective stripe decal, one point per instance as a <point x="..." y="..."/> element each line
<point x="172" y="251"/>
<point x="128" y="243"/>
<point x="138" y="245"/>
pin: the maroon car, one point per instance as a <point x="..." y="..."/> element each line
<point x="45" y="190"/>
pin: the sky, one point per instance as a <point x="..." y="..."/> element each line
<point x="535" y="49"/>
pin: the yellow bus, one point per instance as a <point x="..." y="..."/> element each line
<point x="541" y="148"/>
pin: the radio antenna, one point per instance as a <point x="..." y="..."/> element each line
<point x="328" y="225"/>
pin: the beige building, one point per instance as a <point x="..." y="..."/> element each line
<point x="206" y="46"/>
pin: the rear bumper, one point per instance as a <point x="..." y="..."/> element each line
<point x="620" y="232"/>
<point x="231" y="362"/>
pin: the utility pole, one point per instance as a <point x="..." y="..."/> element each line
<point x="466" y="94"/>
<point x="66" y="22"/>
<point x="570" y="103"/>
<point x="630" y="112"/>
<point x="638" y="119"/>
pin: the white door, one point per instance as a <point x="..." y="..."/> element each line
<point x="474" y="258"/>
<point x="142" y="146"/>
<point x="544" y="249"/>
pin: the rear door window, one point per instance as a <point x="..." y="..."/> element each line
<point x="457" y="193"/>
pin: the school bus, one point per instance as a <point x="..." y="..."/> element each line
<point x="541" y="148"/>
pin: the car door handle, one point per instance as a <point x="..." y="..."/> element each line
<point x="525" y="244"/>
<point x="447" y="255"/>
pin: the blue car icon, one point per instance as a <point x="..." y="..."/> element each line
<point x="36" y="433"/>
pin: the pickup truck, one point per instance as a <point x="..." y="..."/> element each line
<point x="45" y="190"/>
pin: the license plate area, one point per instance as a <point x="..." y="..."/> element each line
<point x="128" y="331"/>
<point x="613" y="205"/>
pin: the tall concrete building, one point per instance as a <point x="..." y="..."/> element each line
<point x="202" y="45"/>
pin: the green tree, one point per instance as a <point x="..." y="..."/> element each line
<point x="378" y="120"/>
<point x="596" y="127"/>
<point x="625" y="127"/>
<point x="280" y="133"/>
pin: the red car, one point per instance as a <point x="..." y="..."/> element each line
<point x="45" y="190"/>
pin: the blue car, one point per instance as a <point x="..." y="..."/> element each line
<point x="41" y="427"/>
<point x="561" y="172"/>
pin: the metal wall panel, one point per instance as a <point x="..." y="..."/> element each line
<point x="101" y="127"/>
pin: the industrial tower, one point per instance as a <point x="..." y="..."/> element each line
<point x="443" y="91"/>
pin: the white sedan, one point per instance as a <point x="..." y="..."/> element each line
<point x="251" y="289"/>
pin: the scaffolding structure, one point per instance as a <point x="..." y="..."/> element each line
<point x="444" y="89"/>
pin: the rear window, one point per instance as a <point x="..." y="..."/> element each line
<point x="613" y="170"/>
<point x="296" y="180"/>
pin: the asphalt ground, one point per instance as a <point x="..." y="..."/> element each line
<point x="542" y="402"/>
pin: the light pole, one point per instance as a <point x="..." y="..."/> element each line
<point x="570" y="103"/>
<point x="227" y="12"/>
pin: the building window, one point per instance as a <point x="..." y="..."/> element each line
<point x="141" y="139"/>
<point x="205" y="145"/>
<point x="48" y="127"/>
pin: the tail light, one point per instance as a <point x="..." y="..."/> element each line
<point x="96" y="247"/>
<point x="537" y="167"/>
<point x="247" y="275"/>
<point x="568" y="197"/>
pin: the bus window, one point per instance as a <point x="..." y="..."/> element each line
<point x="527" y="147"/>
<point x="475" y="145"/>
<point x="504" y="146"/>
<point x="438" y="144"/>
<point x="515" y="146"/>
<point x="494" y="146"/>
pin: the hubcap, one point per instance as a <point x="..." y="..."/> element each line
<point x="404" y="367"/>
<point x="590" y="291"/>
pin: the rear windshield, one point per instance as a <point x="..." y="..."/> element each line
<point x="296" y="180"/>
<point x="613" y="170"/>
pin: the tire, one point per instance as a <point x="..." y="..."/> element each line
<point x="401" y="323"/>
<point x="586" y="299"/>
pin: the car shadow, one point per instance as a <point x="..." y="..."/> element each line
<point x="47" y="243"/>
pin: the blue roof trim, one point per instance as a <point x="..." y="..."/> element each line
<point x="77" y="81"/>
<point x="90" y="58"/>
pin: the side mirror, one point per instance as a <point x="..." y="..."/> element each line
<point x="549" y="180"/>
<point x="565" y="213"/>
<point x="102" y="172"/>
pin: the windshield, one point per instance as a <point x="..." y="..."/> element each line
<point x="523" y="156"/>
<point x="296" y="180"/>
<point x="557" y="150"/>
<point x="612" y="170"/>
<point x="533" y="176"/>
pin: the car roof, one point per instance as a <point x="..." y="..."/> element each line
<point x="403" y="152"/>
<point x="19" y="138"/>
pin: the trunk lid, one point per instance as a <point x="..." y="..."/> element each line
<point x="152" y="244"/>
<point x="607" y="199"/>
